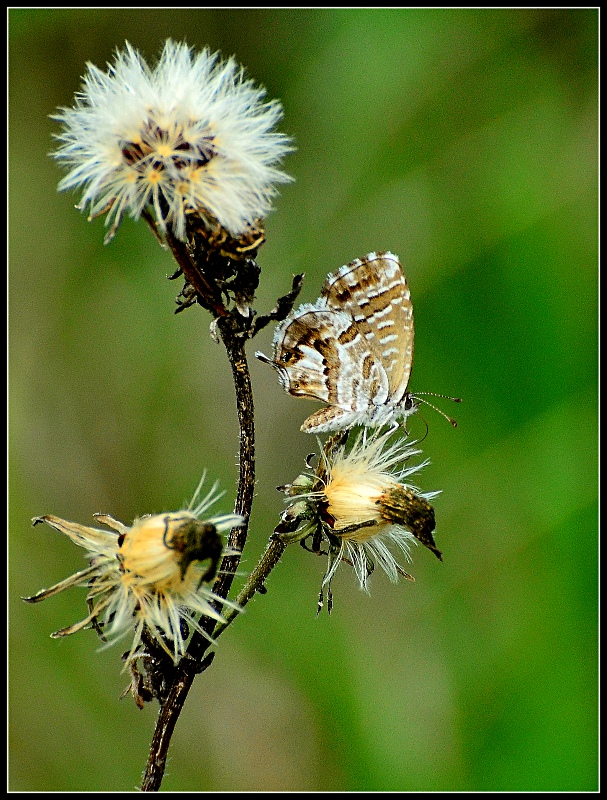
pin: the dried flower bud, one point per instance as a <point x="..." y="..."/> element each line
<point x="359" y="501"/>
<point x="151" y="575"/>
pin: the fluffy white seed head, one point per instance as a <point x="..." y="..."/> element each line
<point x="191" y="139"/>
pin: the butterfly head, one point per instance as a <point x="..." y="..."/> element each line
<point x="276" y="365"/>
<point x="299" y="373"/>
<point x="286" y="360"/>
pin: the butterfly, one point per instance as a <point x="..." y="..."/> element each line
<point x="352" y="348"/>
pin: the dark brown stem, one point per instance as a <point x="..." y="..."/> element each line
<point x="189" y="666"/>
<point x="208" y="295"/>
<point x="210" y="273"/>
<point x="246" y="478"/>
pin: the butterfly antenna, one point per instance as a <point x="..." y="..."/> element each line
<point x="442" y="413"/>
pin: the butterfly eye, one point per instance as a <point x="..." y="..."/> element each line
<point x="288" y="358"/>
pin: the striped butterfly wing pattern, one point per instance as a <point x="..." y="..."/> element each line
<point x="375" y="293"/>
<point x="353" y="348"/>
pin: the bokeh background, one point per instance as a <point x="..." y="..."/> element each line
<point x="466" y="142"/>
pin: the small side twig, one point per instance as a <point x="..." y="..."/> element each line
<point x="282" y="309"/>
<point x="256" y="580"/>
<point x="208" y="295"/>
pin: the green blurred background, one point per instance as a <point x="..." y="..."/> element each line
<point x="466" y="142"/>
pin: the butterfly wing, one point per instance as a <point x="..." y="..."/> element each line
<point x="319" y="353"/>
<point x="305" y="352"/>
<point x="353" y="348"/>
<point x="374" y="292"/>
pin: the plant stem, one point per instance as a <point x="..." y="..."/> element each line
<point x="255" y="581"/>
<point x="191" y="664"/>
<point x="207" y="274"/>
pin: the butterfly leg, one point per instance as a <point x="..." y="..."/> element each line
<point x="316" y="549"/>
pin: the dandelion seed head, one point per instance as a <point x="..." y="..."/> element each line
<point x="192" y="140"/>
